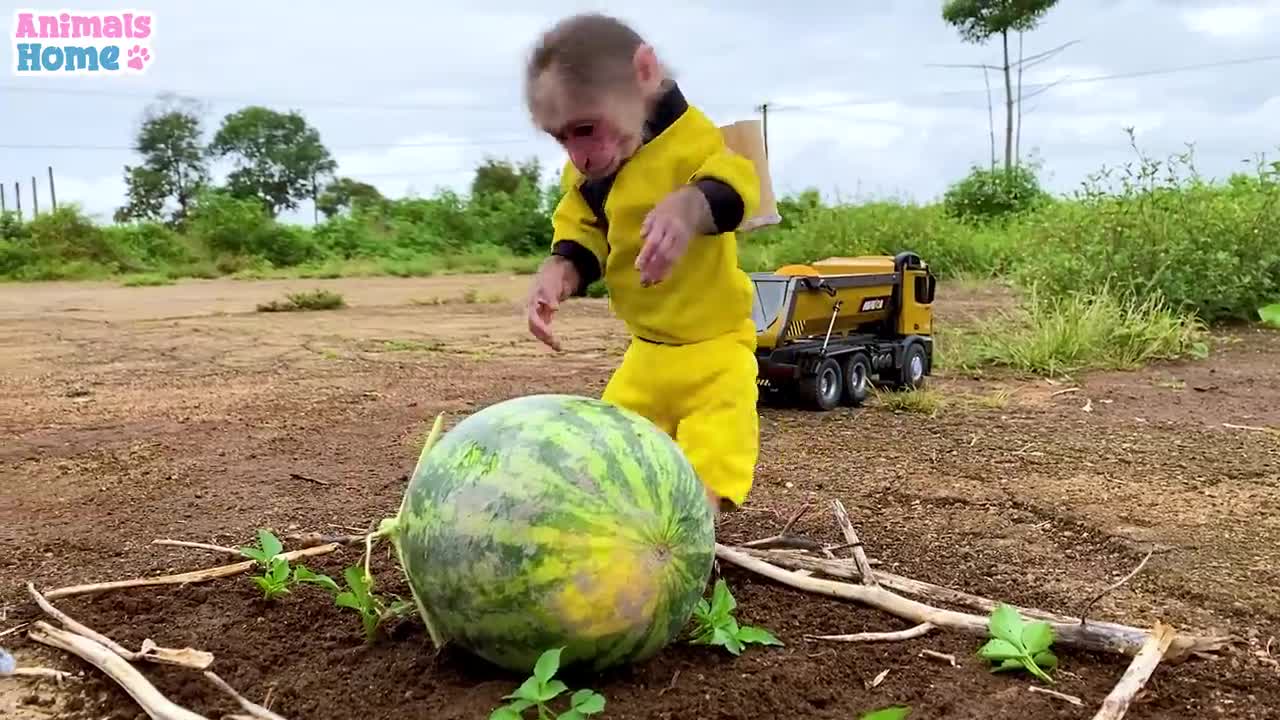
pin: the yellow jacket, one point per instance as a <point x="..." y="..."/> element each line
<point x="597" y="226"/>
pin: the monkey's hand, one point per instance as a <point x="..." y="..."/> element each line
<point x="554" y="282"/>
<point x="667" y="230"/>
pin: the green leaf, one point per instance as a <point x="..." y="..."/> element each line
<point x="571" y="714"/>
<point x="550" y="690"/>
<point x="734" y="645"/>
<point x="997" y="649"/>
<point x="254" y="554"/>
<point x="587" y="702"/>
<point x="279" y="571"/>
<point x="504" y="713"/>
<point x="1006" y="625"/>
<point x="357" y="581"/>
<point x="1046" y="660"/>
<point x="302" y="573"/>
<point x="1037" y="637"/>
<point x="896" y="712"/>
<point x="347" y="599"/>
<point x="528" y="690"/>
<point x="271" y="545"/>
<point x="1270" y="315"/>
<point x="722" y="602"/>
<point x="760" y="636"/>
<point x="1010" y="664"/>
<point x="547" y="665"/>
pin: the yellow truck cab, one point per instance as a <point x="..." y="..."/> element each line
<point x="824" y="330"/>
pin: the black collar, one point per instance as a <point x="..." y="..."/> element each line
<point x="665" y="112"/>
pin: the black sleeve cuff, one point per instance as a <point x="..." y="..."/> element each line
<point x="584" y="261"/>
<point x="726" y="204"/>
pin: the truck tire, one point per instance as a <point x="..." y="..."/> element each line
<point x="825" y="388"/>
<point x="857" y="378"/>
<point x="915" y="367"/>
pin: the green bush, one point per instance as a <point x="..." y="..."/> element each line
<point x="989" y="194"/>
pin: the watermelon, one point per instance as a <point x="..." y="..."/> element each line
<point x="556" y="521"/>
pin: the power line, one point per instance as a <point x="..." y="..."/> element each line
<point x="1075" y="81"/>
<point x="362" y="146"/>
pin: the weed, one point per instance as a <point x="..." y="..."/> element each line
<point x="896" y="712"/>
<point x="541" y="688"/>
<point x="997" y="400"/>
<point x="1103" y="330"/>
<point x="278" y="576"/>
<point x="714" y="623"/>
<point x="1270" y="315"/>
<point x="146" y="280"/>
<point x="412" y="346"/>
<point x="359" y="596"/>
<point x="920" y="400"/>
<point x="305" y="300"/>
<point x="1016" y="644"/>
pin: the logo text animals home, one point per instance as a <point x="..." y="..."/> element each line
<point x="70" y="43"/>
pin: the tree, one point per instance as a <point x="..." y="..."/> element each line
<point x="345" y="193"/>
<point x="502" y="176"/>
<point x="979" y="20"/>
<point x="173" y="166"/>
<point x="279" y="157"/>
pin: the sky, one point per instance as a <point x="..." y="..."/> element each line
<point x="410" y="96"/>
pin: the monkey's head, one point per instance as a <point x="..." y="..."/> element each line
<point x="590" y="84"/>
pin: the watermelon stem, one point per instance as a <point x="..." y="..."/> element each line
<point x="391" y="527"/>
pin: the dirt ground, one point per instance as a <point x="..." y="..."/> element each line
<point x="130" y="414"/>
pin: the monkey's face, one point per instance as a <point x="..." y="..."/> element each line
<point x="599" y="127"/>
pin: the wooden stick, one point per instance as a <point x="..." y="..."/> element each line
<point x="1110" y="637"/>
<point x="196" y="576"/>
<point x="198" y="546"/>
<point x="40" y="672"/>
<point x="912" y="632"/>
<point x="945" y="657"/>
<point x="851" y="537"/>
<point x="314" y="539"/>
<point x="1055" y="694"/>
<point x="156" y="705"/>
<point x="255" y="710"/>
<point x="186" y="657"/>
<point x="12" y="630"/>
<point x="1117" y="702"/>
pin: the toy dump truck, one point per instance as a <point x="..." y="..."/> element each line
<point x="826" y="329"/>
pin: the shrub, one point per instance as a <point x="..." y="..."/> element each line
<point x="989" y="194"/>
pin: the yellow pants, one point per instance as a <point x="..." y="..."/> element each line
<point x="704" y="396"/>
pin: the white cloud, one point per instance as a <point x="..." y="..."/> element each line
<point x="1236" y="21"/>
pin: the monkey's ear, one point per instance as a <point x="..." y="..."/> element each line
<point x="648" y="69"/>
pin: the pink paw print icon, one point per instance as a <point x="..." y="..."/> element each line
<point x="139" y="57"/>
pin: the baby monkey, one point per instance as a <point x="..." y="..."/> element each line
<point x="652" y="197"/>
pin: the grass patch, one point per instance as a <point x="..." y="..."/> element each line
<point x="471" y="296"/>
<point x="924" y="401"/>
<point x="412" y="346"/>
<point x="146" y="280"/>
<point x="305" y="300"/>
<point x="1099" y="331"/>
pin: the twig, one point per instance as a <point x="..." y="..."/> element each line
<point x="795" y="518"/>
<point x="315" y="539"/>
<point x="1109" y="637"/>
<point x="40" y="672"/>
<point x="255" y="710"/>
<point x="790" y="543"/>
<point x="1064" y="392"/>
<point x="851" y="537"/>
<point x="156" y="705"/>
<point x="1135" y="676"/>
<point x="1085" y="612"/>
<point x="671" y="685"/>
<point x="185" y="657"/>
<point x="199" y="546"/>
<point x="875" y="681"/>
<point x="300" y="476"/>
<point x="195" y="576"/>
<point x="1251" y="428"/>
<point x="12" y="630"/>
<point x="912" y="632"/>
<point x="945" y="657"/>
<point x="1055" y="694"/>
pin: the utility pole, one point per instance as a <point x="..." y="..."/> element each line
<point x="3" y="210"/>
<point x="315" y="201"/>
<point x="17" y="196"/>
<point x="35" y="198"/>
<point x="764" y="122"/>
<point x="53" y="195"/>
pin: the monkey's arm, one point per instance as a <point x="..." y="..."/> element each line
<point x="576" y="238"/>
<point x="732" y="189"/>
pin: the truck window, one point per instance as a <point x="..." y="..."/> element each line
<point x="769" y="297"/>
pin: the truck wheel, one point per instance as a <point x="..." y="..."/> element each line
<point x="857" y="378"/>
<point x="825" y="388"/>
<point x="915" y="366"/>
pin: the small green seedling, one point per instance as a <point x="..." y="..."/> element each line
<point x="359" y="596"/>
<point x="1016" y="644"/>
<point x="279" y="576"/>
<point x="715" y="624"/>
<point x="896" y="712"/>
<point x="542" y="688"/>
